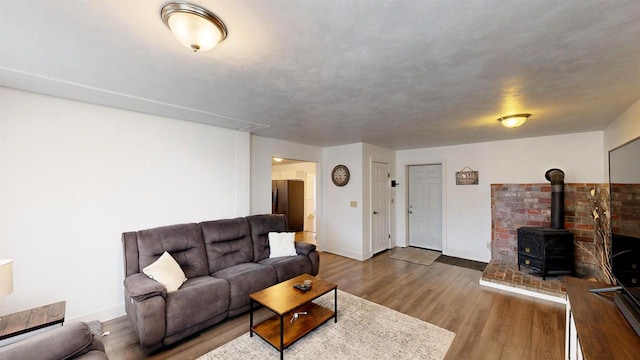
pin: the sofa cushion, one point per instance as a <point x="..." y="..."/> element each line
<point x="282" y="244"/>
<point x="184" y="243"/>
<point x="227" y="243"/>
<point x="198" y="300"/>
<point x="166" y="271"/>
<point x="261" y="226"/>
<point x="245" y="279"/>
<point x="288" y="267"/>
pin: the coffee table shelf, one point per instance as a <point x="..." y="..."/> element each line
<point x="284" y="301"/>
<point x="269" y="329"/>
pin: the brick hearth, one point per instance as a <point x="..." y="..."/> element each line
<point x="507" y="274"/>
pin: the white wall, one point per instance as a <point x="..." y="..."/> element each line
<point x="624" y="129"/>
<point x="342" y="224"/>
<point x="74" y="176"/>
<point x="467" y="208"/>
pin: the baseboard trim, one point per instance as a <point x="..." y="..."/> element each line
<point x="521" y="291"/>
<point x="102" y="315"/>
<point x="343" y="252"/>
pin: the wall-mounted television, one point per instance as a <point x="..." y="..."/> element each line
<point x="624" y="187"/>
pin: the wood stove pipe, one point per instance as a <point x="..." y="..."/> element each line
<point x="556" y="177"/>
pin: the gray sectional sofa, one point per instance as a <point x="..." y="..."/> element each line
<point x="224" y="261"/>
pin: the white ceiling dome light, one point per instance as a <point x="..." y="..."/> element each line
<point x="194" y="27"/>
<point x="513" y="121"/>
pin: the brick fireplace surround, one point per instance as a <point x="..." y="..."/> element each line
<point x="517" y="205"/>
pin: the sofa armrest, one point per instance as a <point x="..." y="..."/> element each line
<point x="145" y="304"/>
<point x="304" y="248"/>
<point x="140" y="287"/>
<point x="66" y="342"/>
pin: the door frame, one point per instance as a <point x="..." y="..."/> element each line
<point x="443" y="199"/>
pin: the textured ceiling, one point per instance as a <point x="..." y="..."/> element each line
<point x="397" y="74"/>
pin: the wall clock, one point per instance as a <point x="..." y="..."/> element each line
<point x="340" y="175"/>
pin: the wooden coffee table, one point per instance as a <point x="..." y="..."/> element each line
<point x="284" y="300"/>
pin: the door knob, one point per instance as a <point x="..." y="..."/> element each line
<point x="375" y="213"/>
<point x="410" y="212"/>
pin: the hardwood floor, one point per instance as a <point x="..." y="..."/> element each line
<point x="306" y="236"/>
<point x="489" y="323"/>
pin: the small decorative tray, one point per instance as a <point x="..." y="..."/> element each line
<point x="302" y="287"/>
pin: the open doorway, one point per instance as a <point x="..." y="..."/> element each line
<point x="293" y="193"/>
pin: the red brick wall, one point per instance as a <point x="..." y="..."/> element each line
<point x="625" y="203"/>
<point x="516" y="205"/>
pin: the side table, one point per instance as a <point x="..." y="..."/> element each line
<point x="30" y="322"/>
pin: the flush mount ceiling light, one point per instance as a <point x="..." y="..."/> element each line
<point x="277" y="159"/>
<point x="512" y="121"/>
<point x="195" y="27"/>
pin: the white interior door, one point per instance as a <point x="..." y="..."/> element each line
<point x="380" y="207"/>
<point x="425" y="206"/>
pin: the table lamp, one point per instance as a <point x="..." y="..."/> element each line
<point x="6" y="277"/>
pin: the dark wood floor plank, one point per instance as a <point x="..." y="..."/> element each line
<point x="489" y="323"/>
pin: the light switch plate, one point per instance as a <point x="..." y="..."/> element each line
<point x="354" y="204"/>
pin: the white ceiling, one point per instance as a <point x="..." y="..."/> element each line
<point x="397" y="74"/>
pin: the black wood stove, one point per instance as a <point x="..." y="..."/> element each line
<point x="549" y="251"/>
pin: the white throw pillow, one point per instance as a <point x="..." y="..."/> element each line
<point x="282" y="244"/>
<point x="167" y="272"/>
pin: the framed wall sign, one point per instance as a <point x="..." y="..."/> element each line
<point x="467" y="176"/>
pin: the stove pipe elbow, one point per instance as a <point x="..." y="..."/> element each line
<point x="556" y="177"/>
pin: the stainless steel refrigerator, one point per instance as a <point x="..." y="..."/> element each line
<point x="287" y="197"/>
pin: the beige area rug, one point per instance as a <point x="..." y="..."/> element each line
<point x="364" y="330"/>
<point x="414" y="255"/>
